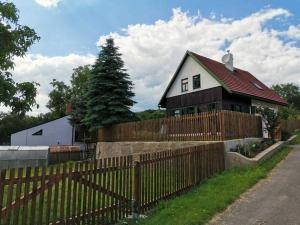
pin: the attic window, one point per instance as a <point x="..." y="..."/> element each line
<point x="196" y="81"/>
<point x="38" y="133"/>
<point x="184" y="85"/>
<point x="257" y="85"/>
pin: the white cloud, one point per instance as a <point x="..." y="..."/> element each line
<point x="152" y="52"/>
<point x="43" y="69"/>
<point x="48" y="3"/>
<point x="293" y="32"/>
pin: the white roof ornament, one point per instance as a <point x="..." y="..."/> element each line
<point x="227" y="59"/>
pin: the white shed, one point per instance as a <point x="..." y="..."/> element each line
<point x="56" y="132"/>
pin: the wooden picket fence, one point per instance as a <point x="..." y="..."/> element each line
<point x="290" y="124"/>
<point x="97" y="192"/>
<point x="207" y="126"/>
<point x="104" y="191"/>
<point x="166" y="174"/>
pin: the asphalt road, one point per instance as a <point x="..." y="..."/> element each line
<point x="273" y="201"/>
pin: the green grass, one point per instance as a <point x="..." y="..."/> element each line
<point x="200" y="204"/>
<point x="296" y="140"/>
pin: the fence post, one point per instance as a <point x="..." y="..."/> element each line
<point x="222" y="125"/>
<point x="137" y="190"/>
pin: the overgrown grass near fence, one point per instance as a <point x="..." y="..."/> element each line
<point x="212" y="196"/>
<point x="296" y="140"/>
<point x="101" y="192"/>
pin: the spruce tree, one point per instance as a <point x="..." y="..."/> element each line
<point x="109" y="95"/>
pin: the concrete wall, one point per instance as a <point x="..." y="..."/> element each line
<point x="55" y="132"/>
<point x="234" y="159"/>
<point x="188" y="70"/>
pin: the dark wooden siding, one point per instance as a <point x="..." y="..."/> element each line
<point x="201" y="99"/>
<point x="232" y="99"/>
<point x="195" y="98"/>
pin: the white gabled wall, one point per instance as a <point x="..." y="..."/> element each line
<point x="190" y="68"/>
<point x="54" y="132"/>
<point x="258" y="104"/>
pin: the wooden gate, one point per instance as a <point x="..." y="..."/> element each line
<point x="98" y="192"/>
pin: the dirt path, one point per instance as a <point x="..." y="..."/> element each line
<point x="273" y="201"/>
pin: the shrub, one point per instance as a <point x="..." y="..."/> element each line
<point x="271" y="120"/>
<point x="285" y="134"/>
<point x="251" y="149"/>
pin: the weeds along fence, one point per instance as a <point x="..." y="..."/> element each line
<point x="103" y="191"/>
<point x="208" y="126"/>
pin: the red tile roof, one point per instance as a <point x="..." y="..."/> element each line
<point x="238" y="82"/>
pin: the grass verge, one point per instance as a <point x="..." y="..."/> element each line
<point x="200" y="204"/>
<point x="296" y="140"/>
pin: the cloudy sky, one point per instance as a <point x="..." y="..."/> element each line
<point x="264" y="37"/>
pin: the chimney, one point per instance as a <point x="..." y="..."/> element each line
<point x="68" y="108"/>
<point x="227" y="59"/>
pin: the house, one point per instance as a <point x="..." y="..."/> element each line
<point x="201" y="84"/>
<point x="56" y="132"/>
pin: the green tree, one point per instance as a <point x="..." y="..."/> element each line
<point x="24" y="98"/>
<point x="109" y="92"/>
<point x="289" y="92"/>
<point x="151" y="114"/>
<point x="15" y="40"/>
<point x="58" y="98"/>
<point x="79" y="87"/>
<point x="288" y="112"/>
<point x="7" y="88"/>
<point x="20" y="97"/>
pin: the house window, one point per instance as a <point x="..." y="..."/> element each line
<point x="174" y="112"/>
<point x="232" y="107"/>
<point x="238" y="108"/>
<point x="196" y="81"/>
<point x="198" y="109"/>
<point x="38" y="133"/>
<point x="257" y="85"/>
<point x="190" y="110"/>
<point x="212" y="106"/>
<point x="177" y="112"/>
<point x="184" y="85"/>
<point x="184" y="111"/>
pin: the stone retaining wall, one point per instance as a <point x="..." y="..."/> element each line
<point x="114" y="149"/>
